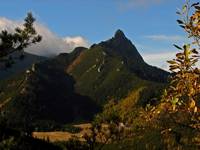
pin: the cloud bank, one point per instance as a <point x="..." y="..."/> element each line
<point x="159" y="59"/>
<point x="51" y="44"/>
<point x="165" y="37"/>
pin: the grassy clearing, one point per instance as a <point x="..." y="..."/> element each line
<point x="60" y="136"/>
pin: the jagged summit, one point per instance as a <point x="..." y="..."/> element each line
<point x="119" y="34"/>
<point x="123" y="47"/>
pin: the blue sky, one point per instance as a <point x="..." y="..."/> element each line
<point x="150" y="24"/>
<point x="98" y="19"/>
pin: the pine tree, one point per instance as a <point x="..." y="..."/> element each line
<point x="19" y="40"/>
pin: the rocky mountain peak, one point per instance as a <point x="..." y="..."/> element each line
<point x="119" y="34"/>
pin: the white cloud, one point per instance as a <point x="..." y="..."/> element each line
<point x="170" y="38"/>
<point x="161" y="55"/>
<point x="51" y="44"/>
<point x="76" y="41"/>
<point x="8" y="24"/>
<point x="159" y="59"/>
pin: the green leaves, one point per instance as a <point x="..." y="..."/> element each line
<point x="180" y="21"/>
<point x="195" y="51"/>
<point x="184" y="8"/>
<point x="197" y="7"/>
<point x="177" y="47"/>
<point x="195" y="4"/>
<point x="174" y="101"/>
<point x="172" y="62"/>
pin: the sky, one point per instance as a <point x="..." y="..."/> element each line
<point x="64" y="24"/>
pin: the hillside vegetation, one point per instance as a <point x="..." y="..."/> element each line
<point x="73" y="87"/>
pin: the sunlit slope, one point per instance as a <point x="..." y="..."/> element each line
<point x="111" y="69"/>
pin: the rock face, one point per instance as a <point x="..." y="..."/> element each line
<point x="73" y="87"/>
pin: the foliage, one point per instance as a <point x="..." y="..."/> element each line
<point x="75" y="144"/>
<point x="120" y="121"/>
<point x="109" y="113"/>
<point x="47" y="99"/>
<point x="12" y="139"/>
<point x="190" y="23"/>
<point x="17" y="41"/>
<point x="184" y="87"/>
<point x="102" y="134"/>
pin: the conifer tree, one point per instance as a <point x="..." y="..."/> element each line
<point x="19" y="40"/>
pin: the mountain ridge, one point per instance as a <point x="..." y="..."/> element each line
<point x="74" y="86"/>
<point x="19" y="65"/>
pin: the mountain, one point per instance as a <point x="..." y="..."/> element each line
<point x="111" y="69"/>
<point x="74" y="87"/>
<point x="19" y="65"/>
<point x="45" y="95"/>
<point x="123" y="47"/>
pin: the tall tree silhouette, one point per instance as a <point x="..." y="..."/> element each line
<point x="19" y="40"/>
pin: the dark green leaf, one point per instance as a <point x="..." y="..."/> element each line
<point x="177" y="47"/>
<point x="180" y="21"/>
<point x="197" y="7"/>
<point x="195" y="4"/>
